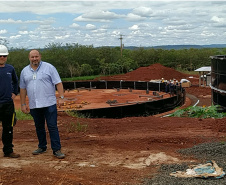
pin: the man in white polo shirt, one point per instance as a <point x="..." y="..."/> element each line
<point x="38" y="81"/>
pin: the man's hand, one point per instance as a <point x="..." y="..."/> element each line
<point x="25" y="109"/>
<point x="61" y="101"/>
<point x="13" y="96"/>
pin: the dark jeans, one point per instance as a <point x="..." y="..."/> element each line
<point x="48" y="114"/>
<point x="6" y="116"/>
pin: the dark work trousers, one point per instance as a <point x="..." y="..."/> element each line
<point x="48" y="114"/>
<point x="6" y="116"/>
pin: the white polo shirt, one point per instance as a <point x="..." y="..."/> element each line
<point x="40" y="84"/>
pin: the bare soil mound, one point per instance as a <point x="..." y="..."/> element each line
<point x="152" y="72"/>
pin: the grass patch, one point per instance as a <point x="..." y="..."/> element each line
<point x="199" y="112"/>
<point x="76" y="114"/>
<point x="76" y="127"/>
<point x="80" y="78"/>
<point x="188" y="72"/>
<point x="85" y="78"/>
<point x="22" y="116"/>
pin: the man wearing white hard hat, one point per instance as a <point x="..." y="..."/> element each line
<point x="8" y="91"/>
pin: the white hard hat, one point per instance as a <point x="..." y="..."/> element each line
<point x="3" y="50"/>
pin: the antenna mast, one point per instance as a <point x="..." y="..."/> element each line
<point x="121" y="46"/>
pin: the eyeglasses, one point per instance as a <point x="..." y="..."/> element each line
<point x="3" y="56"/>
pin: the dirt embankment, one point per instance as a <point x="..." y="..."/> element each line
<point x="153" y="72"/>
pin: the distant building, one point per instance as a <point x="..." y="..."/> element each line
<point x="204" y="75"/>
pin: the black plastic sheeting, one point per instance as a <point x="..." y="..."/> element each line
<point x="134" y="108"/>
<point x="218" y="81"/>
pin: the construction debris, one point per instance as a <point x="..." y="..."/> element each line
<point x="208" y="170"/>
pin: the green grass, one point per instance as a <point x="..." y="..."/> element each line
<point x="188" y="72"/>
<point x="80" y="78"/>
<point x="199" y="112"/>
<point x="76" y="127"/>
<point x="21" y="116"/>
<point x="76" y="114"/>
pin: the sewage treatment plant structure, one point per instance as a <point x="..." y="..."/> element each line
<point x="152" y="98"/>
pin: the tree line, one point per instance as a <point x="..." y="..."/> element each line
<point x="73" y="60"/>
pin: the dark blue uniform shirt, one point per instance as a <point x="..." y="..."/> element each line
<point x="8" y="83"/>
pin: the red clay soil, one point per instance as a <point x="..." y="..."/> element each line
<point x="110" y="151"/>
<point x="152" y="72"/>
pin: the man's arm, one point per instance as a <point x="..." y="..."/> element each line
<point x="60" y="89"/>
<point x="23" y="94"/>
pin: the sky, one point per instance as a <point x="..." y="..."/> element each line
<point x="36" y="24"/>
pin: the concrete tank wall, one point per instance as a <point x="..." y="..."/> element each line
<point x="138" y="109"/>
<point x="218" y="81"/>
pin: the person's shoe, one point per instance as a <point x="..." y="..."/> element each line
<point x="59" y="154"/>
<point x="12" y="155"/>
<point x="38" y="151"/>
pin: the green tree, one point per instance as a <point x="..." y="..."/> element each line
<point x="86" y="69"/>
<point x="103" y="66"/>
<point x="74" y="69"/>
<point x="19" y="59"/>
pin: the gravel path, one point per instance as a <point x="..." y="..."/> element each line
<point x="203" y="152"/>
<point x="193" y="98"/>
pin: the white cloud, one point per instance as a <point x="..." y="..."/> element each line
<point x="62" y="37"/>
<point x="101" y="30"/>
<point x="84" y="19"/>
<point x="98" y="16"/>
<point x="51" y="7"/>
<point x="101" y="22"/>
<point x="15" y="37"/>
<point x="12" y="21"/>
<point x="207" y="34"/>
<point x="116" y="33"/>
<point x="218" y="19"/>
<point x="33" y="36"/>
<point x="74" y="25"/>
<point x="137" y="32"/>
<point x="134" y="27"/>
<point x="3" y="31"/>
<point x="23" y="32"/>
<point x="134" y="17"/>
<point x="90" y="27"/>
<point x="143" y="11"/>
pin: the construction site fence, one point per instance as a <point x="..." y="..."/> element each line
<point x="146" y="108"/>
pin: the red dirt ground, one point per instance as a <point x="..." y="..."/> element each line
<point x="111" y="151"/>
